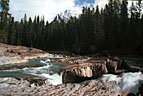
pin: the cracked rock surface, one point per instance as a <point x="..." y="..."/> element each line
<point x="14" y="87"/>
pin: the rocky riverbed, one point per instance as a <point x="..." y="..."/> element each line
<point x="10" y="54"/>
<point x="106" y="85"/>
<point x="14" y="87"/>
<point x="81" y="76"/>
<point x="126" y="72"/>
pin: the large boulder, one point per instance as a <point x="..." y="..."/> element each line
<point x="80" y="72"/>
<point x="114" y="64"/>
<point x="131" y="66"/>
<point x="84" y="68"/>
<point x="117" y="66"/>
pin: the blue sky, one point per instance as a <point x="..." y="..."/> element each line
<point x="82" y="2"/>
<point x="49" y="8"/>
<point x="0" y="4"/>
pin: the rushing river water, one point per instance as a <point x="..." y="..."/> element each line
<point x="50" y="70"/>
<point x="127" y="81"/>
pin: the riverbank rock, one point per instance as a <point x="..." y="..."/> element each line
<point x="20" y="86"/>
<point x="116" y="65"/>
<point x="85" y="68"/>
<point x="8" y="86"/>
<point x="10" y="54"/>
<point x="14" y="87"/>
<point x="87" y="88"/>
<point x="80" y="72"/>
<point x="132" y="66"/>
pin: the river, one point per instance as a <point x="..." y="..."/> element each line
<point x="50" y="70"/>
<point x="129" y="81"/>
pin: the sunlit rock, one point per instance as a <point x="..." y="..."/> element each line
<point x="80" y="72"/>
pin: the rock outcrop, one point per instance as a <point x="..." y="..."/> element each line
<point x="132" y="66"/>
<point x="87" y="88"/>
<point x="14" y="87"/>
<point x="10" y="54"/>
<point x="85" y="68"/>
<point x="79" y="72"/>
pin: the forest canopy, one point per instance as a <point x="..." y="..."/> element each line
<point x="115" y="28"/>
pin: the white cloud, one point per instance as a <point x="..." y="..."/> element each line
<point x="101" y="3"/>
<point x="48" y="8"/>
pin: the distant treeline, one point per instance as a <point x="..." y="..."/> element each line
<point x="114" y="28"/>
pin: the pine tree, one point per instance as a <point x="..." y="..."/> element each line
<point x="124" y="25"/>
<point x="4" y="20"/>
<point x="25" y="31"/>
<point x="132" y="27"/>
<point x="108" y="25"/>
<point x="12" y="32"/>
<point x="18" y="33"/>
<point x="98" y="27"/>
<point x="30" y="32"/>
<point x="42" y="33"/>
<point x="46" y="36"/>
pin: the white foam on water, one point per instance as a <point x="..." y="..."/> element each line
<point x="37" y="70"/>
<point x="54" y="79"/>
<point x="45" y="61"/>
<point x="128" y="82"/>
<point x="44" y="72"/>
<point x="111" y="77"/>
<point x="131" y="81"/>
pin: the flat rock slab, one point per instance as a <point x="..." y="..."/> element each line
<point x="14" y="87"/>
<point x="10" y="54"/>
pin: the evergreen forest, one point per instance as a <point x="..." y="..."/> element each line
<point x="115" y="28"/>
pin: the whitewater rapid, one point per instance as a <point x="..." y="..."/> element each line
<point x="45" y="72"/>
<point x="128" y="82"/>
<point x="50" y="70"/>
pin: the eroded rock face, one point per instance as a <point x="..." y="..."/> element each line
<point x="84" y="68"/>
<point x="80" y="72"/>
<point x="132" y="67"/>
<point x="10" y="54"/>
<point x="87" y="69"/>
<point x="11" y="86"/>
<point x="14" y="87"/>
<point x="87" y="88"/>
<point x="112" y="65"/>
